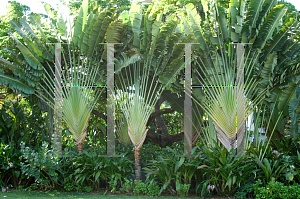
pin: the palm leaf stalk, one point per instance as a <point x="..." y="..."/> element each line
<point x="210" y="135"/>
<point x="121" y="126"/>
<point x="78" y="96"/>
<point x="260" y="119"/>
<point x="137" y="95"/>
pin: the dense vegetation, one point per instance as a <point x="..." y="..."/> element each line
<point x="226" y="156"/>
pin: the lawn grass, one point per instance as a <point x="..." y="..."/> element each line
<point x="54" y="194"/>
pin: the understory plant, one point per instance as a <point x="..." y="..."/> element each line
<point x="225" y="170"/>
<point x="276" y="190"/>
<point x="91" y="169"/>
<point x="40" y="165"/>
<point x="149" y="187"/>
<point x="174" y="171"/>
<point x="10" y="171"/>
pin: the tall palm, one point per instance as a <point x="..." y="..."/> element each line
<point x="137" y="94"/>
<point x="79" y="95"/>
<point x="34" y="68"/>
<point x="216" y="62"/>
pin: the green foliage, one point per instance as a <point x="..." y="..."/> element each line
<point x="89" y="168"/>
<point x="9" y="165"/>
<point x="275" y="189"/>
<point x="88" y="189"/>
<point x="128" y="186"/>
<point x="182" y="189"/>
<point x="73" y="186"/>
<point x="269" y="25"/>
<point x="271" y="168"/>
<point x="140" y="189"/>
<point x="69" y="186"/>
<point x="16" y="10"/>
<point x="245" y="191"/>
<point x="153" y="188"/>
<point x="23" y="69"/>
<point x="20" y="188"/>
<point x="226" y="170"/>
<point x="19" y="121"/>
<point x="41" y="164"/>
<point x="170" y="168"/>
<point x="150" y="187"/>
<point x="32" y="187"/>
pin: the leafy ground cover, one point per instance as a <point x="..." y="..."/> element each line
<point x="55" y="194"/>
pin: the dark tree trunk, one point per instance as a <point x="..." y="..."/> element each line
<point x="160" y="125"/>
<point x="164" y="140"/>
<point x="162" y="137"/>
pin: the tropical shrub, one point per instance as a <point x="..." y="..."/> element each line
<point x="245" y="191"/>
<point x="90" y="168"/>
<point x="128" y="186"/>
<point x="42" y="165"/>
<point x="21" y="120"/>
<point x="153" y="188"/>
<point x="172" y="170"/>
<point x="10" y="171"/>
<point x="140" y="189"/>
<point x="275" y="189"/>
<point x="273" y="164"/>
<point x="226" y="171"/>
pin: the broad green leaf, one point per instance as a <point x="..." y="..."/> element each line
<point x="269" y="25"/>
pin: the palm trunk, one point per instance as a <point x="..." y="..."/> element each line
<point x="80" y="147"/>
<point x="138" y="171"/>
<point x="80" y="141"/>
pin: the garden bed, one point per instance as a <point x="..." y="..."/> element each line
<point x="54" y="194"/>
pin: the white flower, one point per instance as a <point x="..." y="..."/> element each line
<point x="275" y="153"/>
<point x="210" y="187"/>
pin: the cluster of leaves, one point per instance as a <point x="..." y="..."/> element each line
<point x="150" y="187"/>
<point x="10" y="170"/>
<point x="226" y="171"/>
<point x="73" y="171"/>
<point x="172" y="170"/>
<point x="22" y="121"/>
<point x="275" y="189"/>
<point x="245" y="191"/>
<point x="41" y="165"/>
<point x="15" y="11"/>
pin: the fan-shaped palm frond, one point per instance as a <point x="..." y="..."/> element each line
<point x="137" y="95"/>
<point x="121" y="125"/>
<point x="216" y="61"/>
<point x="78" y="94"/>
